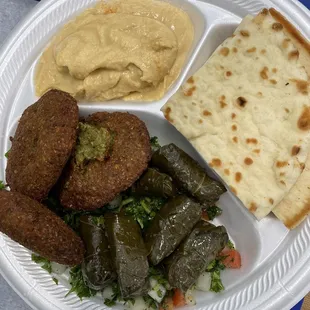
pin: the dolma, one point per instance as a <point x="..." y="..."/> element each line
<point x="97" y="268"/>
<point x="187" y="173"/>
<point x="170" y="226"/>
<point x="128" y="253"/>
<point x="194" y="254"/>
<point x="154" y="183"/>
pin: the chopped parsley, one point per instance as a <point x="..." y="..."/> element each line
<point x="230" y="245"/>
<point x="155" y="144"/>
<point x="143" y="209"/>
<point x="159" y="276"/>
<point x="7" y="153"/>
<point x="78" y="285"/>
<point x="215" y="267"/>
<point x="150" y="302"/>
<point x="45" y="263"/>
<point x="216" y="282"/>
<point x="72" y="219"/>
<point x="98" y="220"/>
<point x="109" y="302"/>
<point x="2" y="185"/>
<point x="213" y="212"/>
<point x="117" y="296"/>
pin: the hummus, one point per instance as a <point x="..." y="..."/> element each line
<point x="131" y="49"/>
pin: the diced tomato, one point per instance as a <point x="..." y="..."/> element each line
<point x="167" y="304"/>
<point x="232" y="258"/>
<point x="204" y="215"/>
<point x="178" y="298"/>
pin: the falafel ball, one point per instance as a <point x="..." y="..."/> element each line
<point x="98" y="181"/>
<point x="44" y="139"/>
<point x="33" y="225"/>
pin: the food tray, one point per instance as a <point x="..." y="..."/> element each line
<point x="276" y="263"/>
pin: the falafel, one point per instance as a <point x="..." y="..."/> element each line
<point x="33" y="225"/>
<point x="98" y="182"/>
<point x="44" y="139"/>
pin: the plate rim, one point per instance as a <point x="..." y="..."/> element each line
<point x="299" y="288"/>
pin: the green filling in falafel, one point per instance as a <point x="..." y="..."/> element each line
<point x="94" y="143"/>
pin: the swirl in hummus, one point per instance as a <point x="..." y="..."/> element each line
<point x="130" y="49"/>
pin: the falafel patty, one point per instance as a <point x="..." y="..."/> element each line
<point x="44" y="139"/>
<point x="99" y="181"/>
<point x="31" y="224"/>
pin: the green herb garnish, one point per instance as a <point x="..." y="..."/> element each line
<point x="116" y="296"/>
<point x="98" y="220"/>
<point x="55" y="280"/>
<point x="109" y="302"/>
<point x="150" y="302"/>
<point x="230" y="245"/>
<point x="72" y="219"/>
<point x="157" y="274"/>
<point x="45" y="263"/>
<point x="155" y="144"/>
<point x="7" y="153"/>
<point x="213" y="212"/>
<point x="78" y="285"/>
<point x="215" y="265"/>
<point x="143" y="209"/>
<point x="216" y="282"/>
<point x="2" y="185"/>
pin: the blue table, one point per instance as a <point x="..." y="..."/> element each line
<point x="298" y="306"/>
<point x="306" y="3"/>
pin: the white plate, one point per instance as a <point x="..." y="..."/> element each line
<point x="276" y="263"/>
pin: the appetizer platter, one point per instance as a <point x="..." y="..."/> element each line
<point x="155" y="155"/>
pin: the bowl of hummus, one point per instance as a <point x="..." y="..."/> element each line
<point x="134" y="50"/>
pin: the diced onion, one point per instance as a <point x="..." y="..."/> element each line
<point x="190" y="297"/>
<point x="107" y="292"/>
<point x="58" y="268"/>
<point x="157" y="291"/>
<point x="204" y="282"/>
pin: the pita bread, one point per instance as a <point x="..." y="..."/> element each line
<point x="295" y="207"/>
<point x="247" y="112"/>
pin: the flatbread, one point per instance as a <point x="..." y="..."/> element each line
<point x="247" y="112"/>
<point x="297" y="38"/>
<point x="295" y="207"/>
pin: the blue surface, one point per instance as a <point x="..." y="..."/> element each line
<point x="305" y="3"/>
<point x="298" y="306"/>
